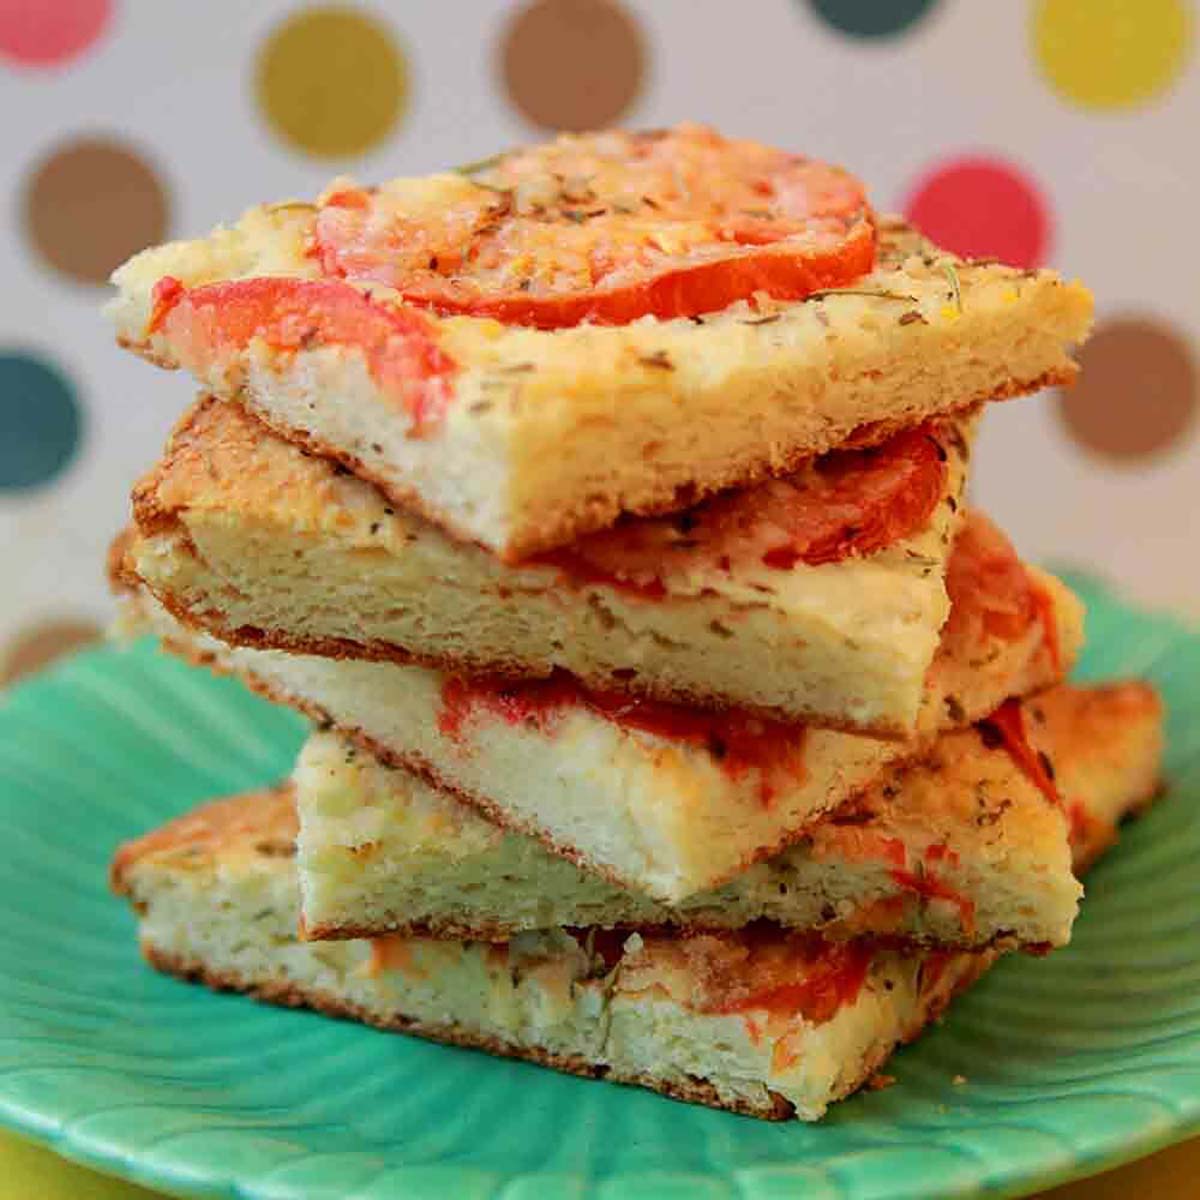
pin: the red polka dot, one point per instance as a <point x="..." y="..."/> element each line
<point x="44" y="33"/>
<point x="982" y="208"/>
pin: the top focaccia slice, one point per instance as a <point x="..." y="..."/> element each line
<point x="524" y="438"/>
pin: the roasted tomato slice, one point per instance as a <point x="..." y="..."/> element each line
<point x="399" y="344"/>
<point x="765" y="968"/>
<point x="847" y="502"/>
<point x="1006" y="726"/>
<point x="992" y="593"/>
<point x="606" y="227"/>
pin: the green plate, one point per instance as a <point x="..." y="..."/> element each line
<point x="1072" y="1063"/>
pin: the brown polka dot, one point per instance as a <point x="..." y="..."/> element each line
<point x="573" y="64"/>
<point x="1138" y="392"/>
<point x="91" y="204"/>
<point x="41" y="644"/>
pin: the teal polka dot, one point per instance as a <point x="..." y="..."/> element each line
<point x="40" y="421"/>
<point x="871" y="18"/>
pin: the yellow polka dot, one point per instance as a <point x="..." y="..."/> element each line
<point x="1110" y="54"/>
<point x="331" y="81"/>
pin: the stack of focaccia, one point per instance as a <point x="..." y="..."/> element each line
<point x="602" y="503"/>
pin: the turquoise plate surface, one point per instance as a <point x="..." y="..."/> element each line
<point x="1072" y="1063"/>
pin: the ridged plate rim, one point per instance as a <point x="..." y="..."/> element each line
<point x="113" y="741"/>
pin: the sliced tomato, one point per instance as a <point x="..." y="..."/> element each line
<point x="775" y="971"/>
<point x="1007" y="724"/>
<point x="607" y="228"/>
<point x="848" y="502"/>
<point x="1081" y="823"/>
<point x="738" y="742"/>
<point x="850" y="843"/>
<point x="931" y="886"/>
<point x="992" y="593"/>
<point x="399" y="344"/>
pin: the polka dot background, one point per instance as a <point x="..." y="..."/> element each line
<point x="331" y="81"/>
<point x="1111" y="54"/>
<point x="1040" y="132"/>
<point x="90" y="204"/>
<point x="1139" y="391"/>
<point x="39" y="421"/>
<point x="869" y="18"/>
<point x="35" y="33"/>
<point x="572" y="64"/>
<point x="982" y="208"/>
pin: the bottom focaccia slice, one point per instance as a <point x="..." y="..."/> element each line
<point x="961" y="848"/>
<point x="661" y="798"/>
<point x="760" y="1020"/>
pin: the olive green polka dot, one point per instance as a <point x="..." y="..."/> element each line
<point x="331" y="82"/>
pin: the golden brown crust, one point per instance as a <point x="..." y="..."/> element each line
<point x="408" y="499"/>
<point x="564" y="531"/>
<point x="118" y="566"/>
<point x="268" y="815"/>
<point x="1100" y="729"/>
<point x="1098" y="838"/>
<point x="223" y="469"/>
<point x="124" y="579"/>
<point x="289" y="994"/>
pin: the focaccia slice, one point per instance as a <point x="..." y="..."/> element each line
<point x="961" y="848"/>
<point x="661" y="798"/>
<point x="523" y="439"/>
<point x="245" y="535"/>
<point x="762" y="1021"/>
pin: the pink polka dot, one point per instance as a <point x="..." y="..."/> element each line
<point x="982" y="208"/>
<point x="44" y="33"/>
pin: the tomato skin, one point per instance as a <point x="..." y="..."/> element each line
<point x="1007" y="724"/>
<point x="990" y="587"/>
<point x="399" y="344"/>
<point x="685" y="292"/>
<point x="846" y="503"/>
<point x="607" y="228"/>
<point x="930" y="886"/>
<point x="738" y="742"/>
<point x="792" y="973"/>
